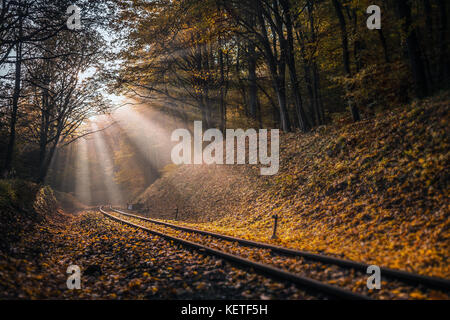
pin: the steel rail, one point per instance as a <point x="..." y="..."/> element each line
<point x="258" y="267"/>
<point x="404" y="276"/>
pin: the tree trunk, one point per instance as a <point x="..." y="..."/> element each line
<point x="48" y="159"/>
<point x="242" y="87"/>
<point x="43" y="137"/>
<point x="444" y="66"/>
<point x="277" y="71"/>
<point x="344" y="37"/>
<point x="357" y="42"/>
<point x="14" y="108"/>
<point x="317" y="103"/>
<point x="222" y="89"/>
<point x="253" y="89"/>
<point x="413" y="50"/>
<point x="383" y="45"/>
<point x="251" y="65"/>
<point x="345" y="54"/>
<point x="303" y="122"/>
<point x="307" y="71"/>
<point x="317" y="98"/>
<point x="280" y="88"/>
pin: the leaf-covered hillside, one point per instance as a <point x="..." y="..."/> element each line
<point x="375" y="191"/>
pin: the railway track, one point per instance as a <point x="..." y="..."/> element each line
<point x="279" y="270"/>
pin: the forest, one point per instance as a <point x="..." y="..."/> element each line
<point x="292" y="65"/>
<point x="91" y="91"/>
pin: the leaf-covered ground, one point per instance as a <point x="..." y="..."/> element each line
<point x="376" y="191"/>
<point x="120" y="262"/>
<point x="350" y="279"/>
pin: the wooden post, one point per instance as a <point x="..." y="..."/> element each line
<point x="176" y="213"/>
<point x="274" y="235"/>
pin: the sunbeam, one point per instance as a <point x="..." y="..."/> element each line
<point x="105" y="158"/>
<point x="82" y="177"/>
<point x="146" y="134"/>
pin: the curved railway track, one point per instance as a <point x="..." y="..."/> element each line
<point x="275" y="272"/>
<point x="397" y="274"/>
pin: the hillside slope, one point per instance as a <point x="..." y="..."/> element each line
<point x="375" y="191"/>
<point x="23" y="205"/>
